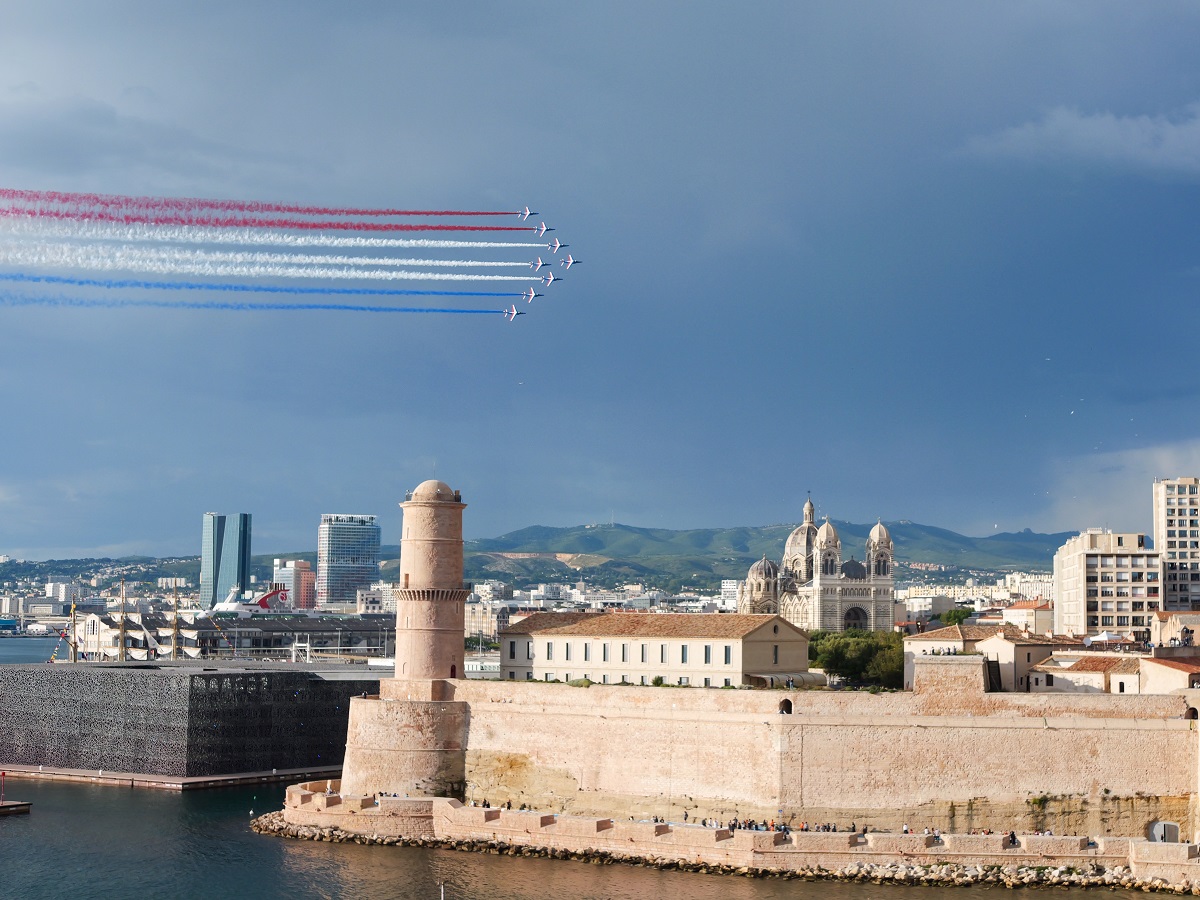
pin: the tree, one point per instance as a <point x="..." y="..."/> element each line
<point x="955" y="616"/>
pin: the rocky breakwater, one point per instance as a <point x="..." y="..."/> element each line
<point x="940" y="874"/>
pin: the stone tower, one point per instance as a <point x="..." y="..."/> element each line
<point x="410" y="740"/>
<point x="429" y="602"/>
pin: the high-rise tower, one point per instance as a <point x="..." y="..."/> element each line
<point x="347" y="557"/>
<point x="1177" y="540"/>
<point x="224" y="556"/>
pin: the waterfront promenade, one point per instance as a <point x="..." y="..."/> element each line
<point x="316" y="810"/>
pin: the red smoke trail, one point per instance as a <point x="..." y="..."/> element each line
<point x="146" y="218"/>
<point x="185" y="204"/>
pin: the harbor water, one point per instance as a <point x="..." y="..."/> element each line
<point x="90" y="841"/>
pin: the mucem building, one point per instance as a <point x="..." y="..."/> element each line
<point x="186" y="719"/>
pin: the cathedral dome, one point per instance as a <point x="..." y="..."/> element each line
<point x="880" y="534"/>
<point x="827" y="535"/>
<point x="800" y="542"/>
<point x="763" y="569"/>
<point x="809" y="510"/>
<point x="852" y="568"/>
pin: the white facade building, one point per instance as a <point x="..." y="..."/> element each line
<point x="1177" y="540"/>
<point x="1105" y="580"/>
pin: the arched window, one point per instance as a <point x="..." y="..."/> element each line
<point x="454" y="671"/>
<point x="785" y="707"/>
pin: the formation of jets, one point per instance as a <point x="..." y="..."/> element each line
<point x="548" y="278"/>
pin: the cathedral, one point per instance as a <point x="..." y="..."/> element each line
<point x="814" y="590"/>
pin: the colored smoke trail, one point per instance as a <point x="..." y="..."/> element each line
<point x="224" y="257"/>
<point x="264" y="237"/>
<point x="70" y="257"/>
<point x="184" y="204"/>
<point x="224" y="287"/>
<point x="146" y="218"/>
<point x="10" y="299"/>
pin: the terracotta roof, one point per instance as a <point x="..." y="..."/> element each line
<point x="1130" y="665"/>
<point x="1029" y="604"/>
<point x="983" y="632"/>
<point x="1163" y="615"/>
<point x="1095" y="664"/>
<point x="1177" y="664"/>
<point x="681" y="625"/>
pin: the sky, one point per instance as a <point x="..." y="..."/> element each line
<point x="930" y="261"/>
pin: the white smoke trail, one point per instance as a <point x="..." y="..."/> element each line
<point x="97" y="231"/>
<point x="129" y="253"/>
<point x="71" y="257"/>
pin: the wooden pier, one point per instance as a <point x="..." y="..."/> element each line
<point x="15" y="807"/>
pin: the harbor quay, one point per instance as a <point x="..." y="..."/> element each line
<point x="318" y="811"/>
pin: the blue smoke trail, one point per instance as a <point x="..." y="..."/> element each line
<point x="9" y="299"/>
<point x="217" y="286"/>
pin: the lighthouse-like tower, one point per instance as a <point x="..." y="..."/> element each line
<point x="409" y="741"/>
<point x="429" y="602"/>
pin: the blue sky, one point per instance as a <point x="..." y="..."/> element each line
<point x="930" y="261"/>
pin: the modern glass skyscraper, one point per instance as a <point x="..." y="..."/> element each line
<point x="347" y="557"/>
<point x="224" y="556"/>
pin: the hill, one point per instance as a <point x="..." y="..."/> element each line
<point x="700" y="558"/>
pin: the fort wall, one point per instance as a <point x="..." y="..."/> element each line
<point x="1102" y="764"/>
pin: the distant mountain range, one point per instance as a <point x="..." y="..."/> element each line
<point x="609" y="555"/>
<point x="702" y="557"/>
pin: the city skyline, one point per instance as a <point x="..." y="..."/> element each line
<point x="917" y="259"/>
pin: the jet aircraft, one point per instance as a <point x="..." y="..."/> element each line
<point x="549" y="279"/>
<point x="555" y="244"/>
<point x="568" y="262"/>
<point x="541" y="229"/>
<point x="512" y="312"/>
<point x="525" y="214"/>
<point x="537" y="265"/>
<point x="529" y="295"/>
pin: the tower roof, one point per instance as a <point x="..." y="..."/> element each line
<point x="880" y="533"/>
<point x="433" y="490"/>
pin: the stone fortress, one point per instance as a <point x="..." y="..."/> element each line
<point x="815" y="590"/>
<point x="588" y="767"/>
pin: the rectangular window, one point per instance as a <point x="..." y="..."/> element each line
<point x="529" y="675"/>
<point x="549" y="650"/>
<point x="512" y="649"/>
<point x="775" y="654"/>
<point x="1049" y="680"/>
<point x="566" y="653"/>
<point x="587" y="652"/>
<point x="1120" y="687"/>
<point x="604" y="652"/>
<point x="708" y="682"/>
<point x="728" y="655"/>
<point x="605" y="679"/>
<point x="662" y="653"/>
<point x="529" y="649"/>
<point x="643" y="681"/>
<point x="708" y="654"/>
<point x="683" y="679"/>
<point x="643" y="652"/>
<point x="512" y="675"/>
<point x="683" y="653"/>
<point x="625" y="653"/>
<point x="727" y="684"/>
<point x="549" y="676"/>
